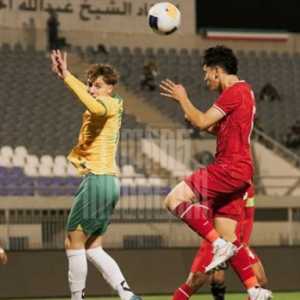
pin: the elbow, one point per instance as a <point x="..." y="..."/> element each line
<point x="203" y="126"/>
<point x="197" y="123"/>
<point x="98" y="113"/>
<point x="98" y="110"/>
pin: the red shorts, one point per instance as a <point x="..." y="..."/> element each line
<point x="213" y="183"/>
<point x="222" y="193"/>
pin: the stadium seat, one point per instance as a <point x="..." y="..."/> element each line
<point x="18" y="161"/>
<point x="5" y="161"/>
<point x="45" y="170"/>
<point x="128" y="171"/>
<point x="30" y="170"/>
<point x="46" y="160"/>
<point x="71" y="171"/>
<point x="7" y="151"/>
<point x="21" y="151"/>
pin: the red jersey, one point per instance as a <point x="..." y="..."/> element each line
<point x="237" y="104"/>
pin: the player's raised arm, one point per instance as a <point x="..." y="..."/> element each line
<point x="60" y="68"/>
<point x="202" y="120"/>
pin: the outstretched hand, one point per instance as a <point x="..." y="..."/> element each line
<point x="59" y="63"/>
<point x="171" y="90"/>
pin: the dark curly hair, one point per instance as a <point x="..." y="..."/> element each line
<point x="223" y="57"/>
<point x="110" y="75"/>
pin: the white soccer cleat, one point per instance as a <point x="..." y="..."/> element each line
<point x="221" y="254"/>
<point x="258" y="293"/>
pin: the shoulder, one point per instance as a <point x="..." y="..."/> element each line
<point x="237" y="88"/>
<point x="110" y="100"/>
<point x="112" y="104"/>
<point x="117" y="98"/>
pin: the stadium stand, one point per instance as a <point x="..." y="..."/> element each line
<point x="36" y="153"/>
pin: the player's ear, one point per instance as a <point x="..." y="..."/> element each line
<point x="218" y="73"/>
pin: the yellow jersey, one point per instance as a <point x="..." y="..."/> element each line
<point x="98" y="139"/>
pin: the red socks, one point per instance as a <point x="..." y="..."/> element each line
<point x="184" y="292"/>
<point x="241" y="265"/>
<point x="196" y="216"/>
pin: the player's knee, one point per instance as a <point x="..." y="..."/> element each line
<point x="170" y="201"/>
<point x="67" y="243"/>
<point x="75" y="240"/>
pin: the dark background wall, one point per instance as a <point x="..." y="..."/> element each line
<point x="153" y="271"/>
<point x="254" y="14"/>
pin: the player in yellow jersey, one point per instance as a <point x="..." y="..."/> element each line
<point x="94" y="158"/>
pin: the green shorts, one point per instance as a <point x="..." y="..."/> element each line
<point x="94" y="204"/>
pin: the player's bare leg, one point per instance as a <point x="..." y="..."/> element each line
<point x="181" y="201"/>
<point x="260" y="273"/>
<point x="108" y="267"/>
<point x="193" y="283"/>
<point x="75" y="250"/>
<point x="197" y="280"/>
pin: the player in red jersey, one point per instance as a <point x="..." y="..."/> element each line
<point x="226" y="180"/>
<point x="196" y="277"/>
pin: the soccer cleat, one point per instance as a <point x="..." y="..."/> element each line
<point x="135" y="297"/>
<point x="258" y="293"/>
<point x="221" y="254"/>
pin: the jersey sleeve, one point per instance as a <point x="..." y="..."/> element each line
<point x="111" y="106"/>
<point x="228" y="101"/>
<point x="80" y="90"/>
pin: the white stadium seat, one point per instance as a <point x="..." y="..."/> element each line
<point x="71" y="170"/>
<point x="141" y="181"/>
<point x="7" y="151"/>
<point x="32" y="160"/>
<point x="30" y="170"/>
<point x="21" y="151"/>
<point x="127" y="182"/>
<point x="155" y="181"/>
<point x="128" y="171"/>
<point x="5" y="161"/>
<point x="18" y="161"/>
<point x="59" y="170"/>
<point x="60" y="160"/>
<point x="46" y="160"/>
<point x="45" y="170"/>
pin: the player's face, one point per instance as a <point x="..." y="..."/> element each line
<point x="211" y="78"/>
<point x="99" y="88"/>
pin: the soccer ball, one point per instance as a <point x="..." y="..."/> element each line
<point x="164" y="18"/>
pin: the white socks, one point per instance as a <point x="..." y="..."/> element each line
<point x="110" y="271"/>
<point x="77" y="272"/>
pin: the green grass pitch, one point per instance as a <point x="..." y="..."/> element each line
<point x="277" y="296"/>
